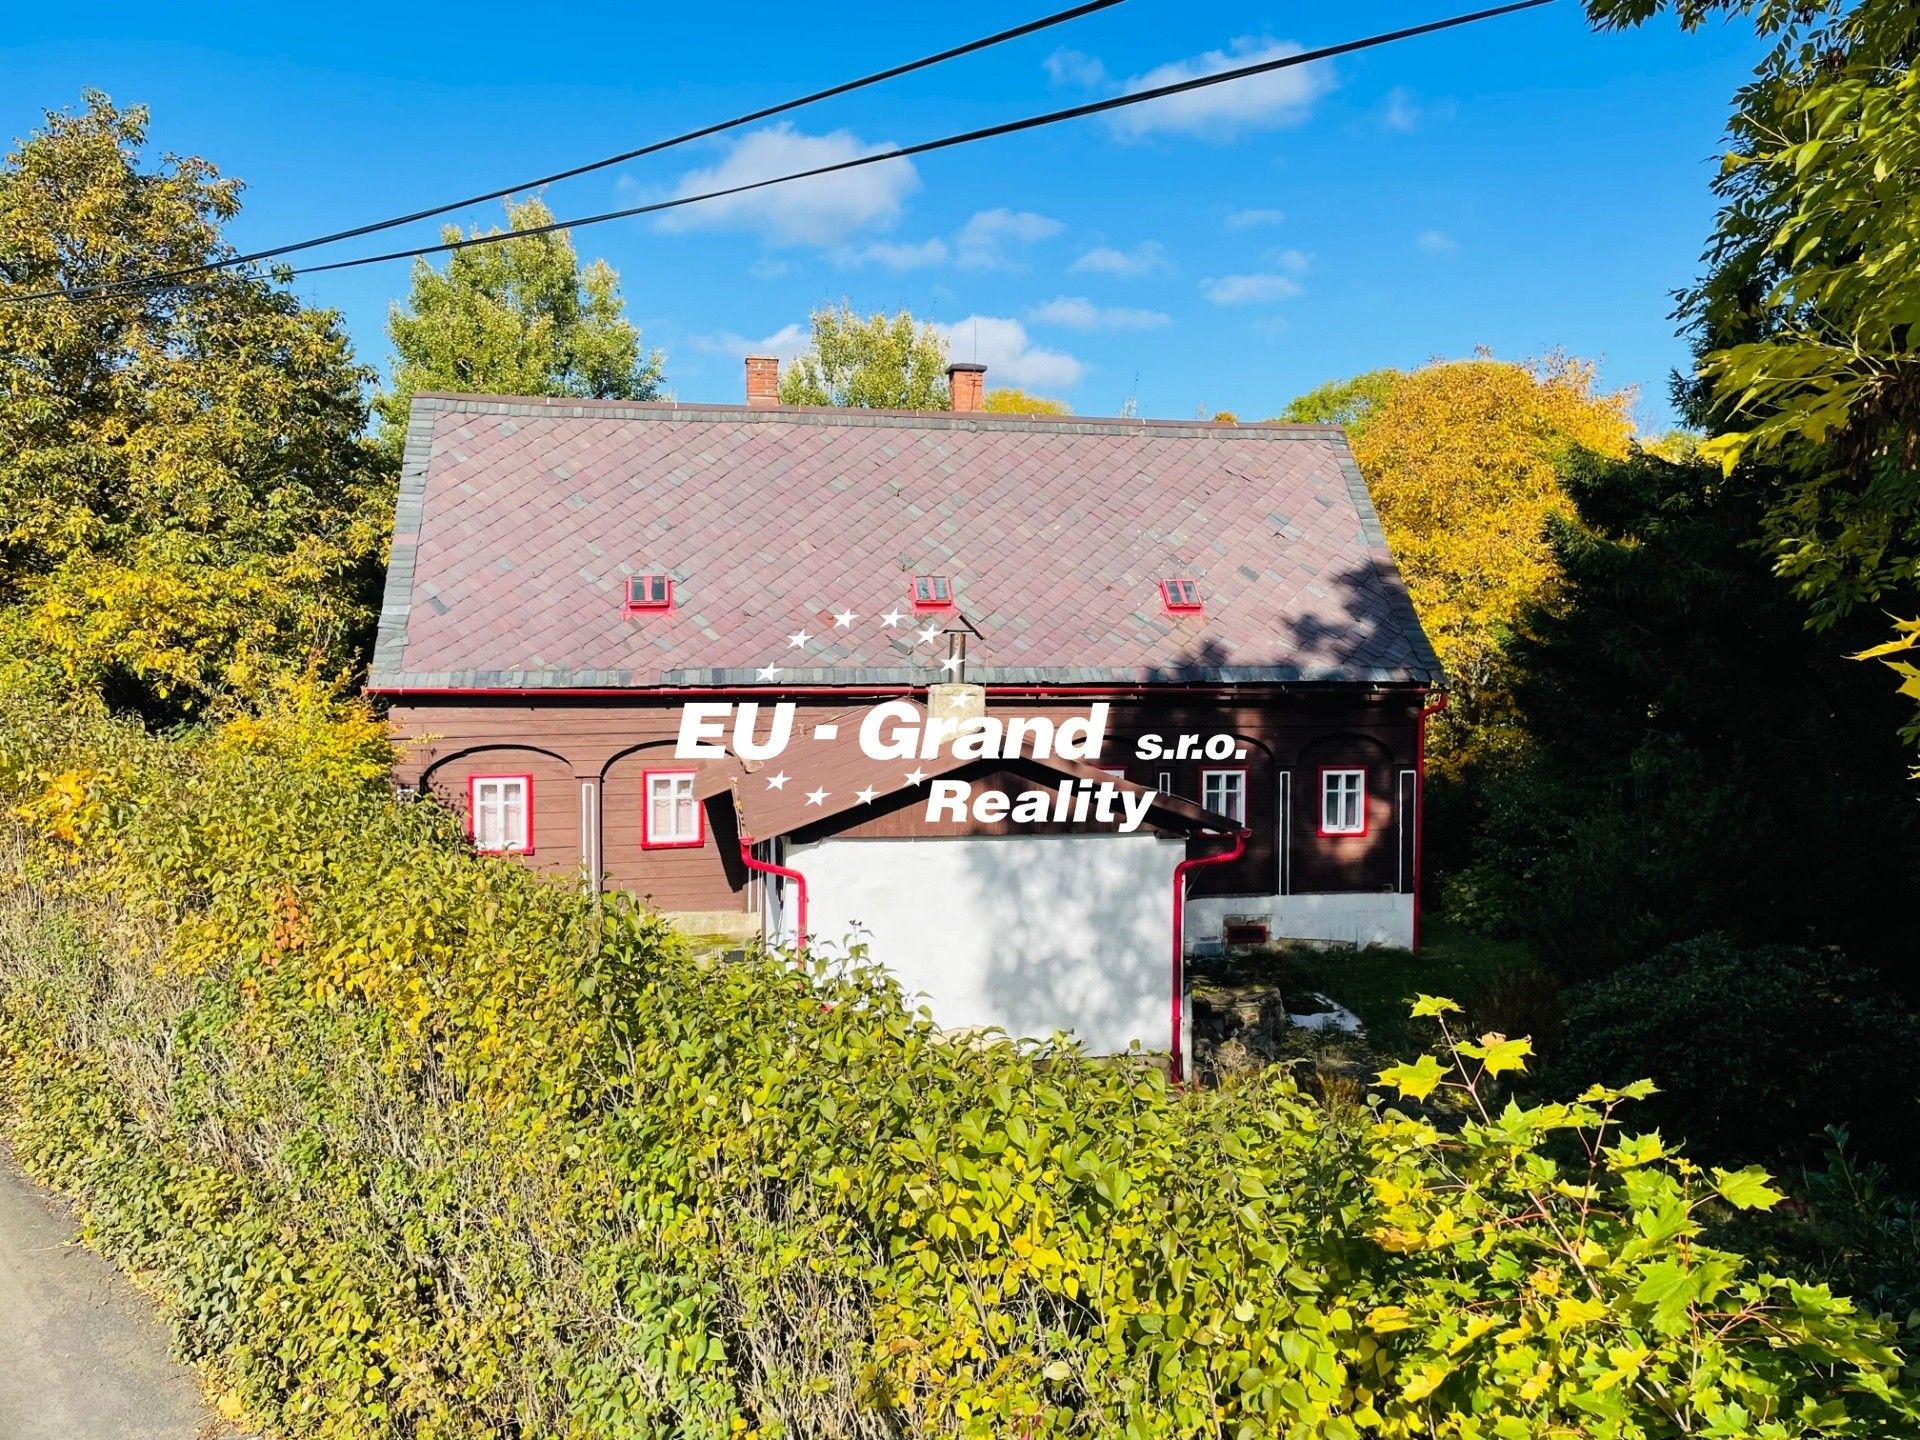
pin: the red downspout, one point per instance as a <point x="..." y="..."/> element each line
<point x="1179" y="1066"/>
<point x="1420" y="806"/>
<point x="799" y="884"/>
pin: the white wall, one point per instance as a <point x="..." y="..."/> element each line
<point x="1350" y="919"/>
<point x="1030" y="933"/>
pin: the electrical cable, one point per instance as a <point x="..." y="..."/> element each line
<point x="1046" y="22"/>
<point x="1010" y="127"/>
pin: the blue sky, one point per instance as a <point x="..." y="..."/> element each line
<point x="1523" y="184"/>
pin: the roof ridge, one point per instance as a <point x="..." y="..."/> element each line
<point x="579" y="407"/>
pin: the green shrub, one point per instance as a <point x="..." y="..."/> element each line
<point x="1849" y="1226"/>
<point x="414" y="1143"/>
<point x="1758" y="1048"/>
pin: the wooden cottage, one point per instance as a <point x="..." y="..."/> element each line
<point x="577" y="587"/>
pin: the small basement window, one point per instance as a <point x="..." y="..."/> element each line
<point x="1180" y="595"/>
<point x="1343" y="802"/>
<point x="932" y="592"/>
<point x="650" y="592"/>
<point x="1224" y="792"/>
<point x="671" y="817"/>
<point x="500" y="814"/>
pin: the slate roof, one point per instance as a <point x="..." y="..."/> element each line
<point x="519" y="521"/>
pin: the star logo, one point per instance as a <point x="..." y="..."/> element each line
<point x="915" y="776"/>
<point x="957" y="701"/>
<point x="798" y="640"/>
<point x="865" y="794"/>
<point x="932" y="632"/>
<point x="769" y="672"/>
<point x="816" y="797"/>
<point x="951" y="664"/>
<point x="778" y="781"/>
<point x="843" y="619"/>
<point x="892" y="618"/>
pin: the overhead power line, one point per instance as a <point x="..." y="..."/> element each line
<point x="948" y="142"/>
<point x="925" y="62"/>
<point x="968" y="137"/>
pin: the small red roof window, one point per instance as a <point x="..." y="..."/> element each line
<point x="649" y="592"/>
<point x="932" y="592"/>
<point x="1181" y="595"/>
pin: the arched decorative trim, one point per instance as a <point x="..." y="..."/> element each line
<point x="662" y="744"/>
<point x="490" y="748"/>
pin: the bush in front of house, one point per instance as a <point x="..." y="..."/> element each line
<point x="411" y="1142"/>
<point x="1757" y="1048"/>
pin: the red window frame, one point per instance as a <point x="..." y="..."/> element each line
<point x="933" y="584"/>
<point x="1320" y="819"/>
<point x="1185" y="601"/>
<point x="1245" y="772"/>
<point x="647" y="842"/>
<point x="647" y="579"/>
<point x="473" y="813"/>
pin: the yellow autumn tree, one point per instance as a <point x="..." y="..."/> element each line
<point x="1462" y="459"/>
<point x="1007" y="400"/>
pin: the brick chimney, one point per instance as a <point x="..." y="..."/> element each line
<point x="967" y="383"/>
<point x="763" y="381"/>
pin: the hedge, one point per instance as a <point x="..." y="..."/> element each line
<point x="411" y="1142"/>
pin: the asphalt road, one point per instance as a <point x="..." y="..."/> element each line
<point x="83" y="1356"/>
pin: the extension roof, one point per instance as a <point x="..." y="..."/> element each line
<point x="519" y="521"/>
<point x="838" y="771"/>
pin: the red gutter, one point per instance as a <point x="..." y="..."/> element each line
<point x="799" y="884"/>
<point x="1179" y="1065"/>
<point x="1420" y="806"/>
<point x="555" y="692"/>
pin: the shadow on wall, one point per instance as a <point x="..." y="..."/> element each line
<point x="1095" y="946"/>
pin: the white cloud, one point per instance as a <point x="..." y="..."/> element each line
<point x="1143" y="259"/>
<point x="768" y="267"/>
<point x="1011" y="358"/>
<point x="1219" y="112"/>
<point x="1076" y="312"/>
<point x="1405" y="112"/>
<point x="1400" y="112"/>
<point x="822" y="211"/>
<point x="903" y="255"/>
<point x="1436" y="242"/>
<point x="982" y="242"/>
<point x="787" y="342"/>
<point x="1250" y="219"/>
<point x="1295" y="261"/>
<point x="1249" y="289"/>
<point x="1071" y="67"/>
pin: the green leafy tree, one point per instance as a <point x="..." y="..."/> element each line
<point x="186" y="502"/>
<point x="1805" y="320"/>
<point x="1351" y="403"/>
<point x="1697" y="759"/>
<point x="519" y="317"/>
<point x="879" y="362"/>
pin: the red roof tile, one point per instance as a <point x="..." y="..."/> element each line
<point x="520" y="520"/>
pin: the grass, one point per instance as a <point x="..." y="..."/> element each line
<point x="1379" y="985"/>
<point x="1496" y="980"/>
